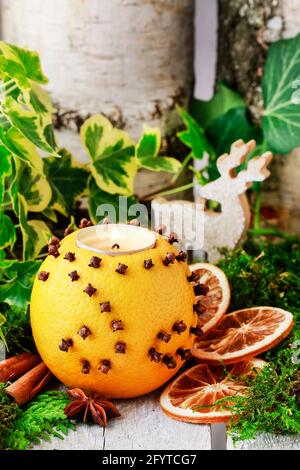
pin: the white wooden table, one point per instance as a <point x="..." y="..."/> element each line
<point x="144" y="426"/>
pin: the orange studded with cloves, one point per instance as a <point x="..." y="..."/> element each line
<point x="118" y="325"/>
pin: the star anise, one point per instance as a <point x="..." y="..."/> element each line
<point x="90" y="408"/>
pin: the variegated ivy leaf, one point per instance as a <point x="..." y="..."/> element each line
<point x="97" y="197"/>
<point x="32" y="185"/>
<point x="29" y="124"/>
<point x="112" y="154"/>
<point x="147" y="152"/>
<point x="2" y="321"/>
<point x="5" y="169"/>
<point x="7" y="231"/>
<point x="50" y="214"/>
<point x="35" y="233"/>
<point x="21" y="65"/>
<point x="68" y="181"/>
<point x="42" y="104"/>
<point x="22" y="148"/>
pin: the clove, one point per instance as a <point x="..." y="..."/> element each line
<point x="105" y="366"/>
<point x="179" y="327"/>
<point x="199" y="308"/>
<point x="155" y="356"/>
<point x="65" y="344"/>
<point x="90" y="290"/>
<point x="74" y="276"/>
<point x="120" y="348"/>
<point x="182" y="256"/>
<point x="163" y="336"/>
<point x="70" y="256"/>
<point x="68" y="231"/>
<point x="117" y="325"/>
<point x="84" y="223"/>
<point x="194" y="277"/>
<point x="105" y="307"/>
<point x="201" y="289"/>
<point x="122" y="268"/>
<point x="54" y="241"/>
<point x="85" y="366"/>
<point x="185" y="354"/>
<point x="53" y="251"/>
<point x="169" y="361"/>
<point x="95" y="262"/>
<point x="196" y="331"/>
<point x="43" y="276"/>
<point x="84" y="332"/>
<point x="148" y="264"/>
<point x="169" y="259"/>
<point x="172" y="238"/>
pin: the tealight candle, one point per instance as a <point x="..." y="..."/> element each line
<point x="116" y="239"/>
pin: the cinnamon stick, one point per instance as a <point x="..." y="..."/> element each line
<point x="14" y="367"/>
<point x="30" y="384"/>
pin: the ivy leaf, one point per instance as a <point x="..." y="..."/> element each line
<point x="19" y="276"/>
<point x="5" y="169"/>
<point x="35" y="233"/>
<point x="281" y="119"/>
<point x="33" y="185"/>
<point x="167" y="164"/>
<point x="50" y="214"/>
<point x="149" y="143"/>
<point x="2" y="321"/>
<point x="7" y="231"/>
<point x="22" y="65"/>
<point x="21" y="147"/>
<point x="41" y="102"/>
<point x="194" y="137"/>
<point x="207" y="111"/>
<point x="228" y="128"/>
<point x="98" y="197"/>
<point x="67" y="181"/>
<point x="27" y="122"/>
<point x="112" y="154"/>
<point x="147" y="152"/>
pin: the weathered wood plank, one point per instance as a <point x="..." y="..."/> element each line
<point x="141" y="426"/>
<point x="267" y="442"/>
<point x="84" y="438"/>
<point x="144" y="426"/>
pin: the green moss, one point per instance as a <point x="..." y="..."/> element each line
<point x="16" y="329"/>
<point x="268" y="273"/>
<point x="9" y="411"/>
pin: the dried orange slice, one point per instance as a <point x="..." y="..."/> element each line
<point x="243" y="334"/>
<point x="191" y="397"/>
<point x="214" y="296"/>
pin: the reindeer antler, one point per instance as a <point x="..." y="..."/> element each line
<point x="257" y="168"/>
<point x="238" y="153"/>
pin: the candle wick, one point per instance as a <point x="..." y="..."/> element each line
<point x="115" y="246"/>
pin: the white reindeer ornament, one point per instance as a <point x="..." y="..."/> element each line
<point x="227" y="227"/>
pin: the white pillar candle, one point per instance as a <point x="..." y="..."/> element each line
<point x="116" y="239"/>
